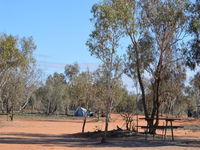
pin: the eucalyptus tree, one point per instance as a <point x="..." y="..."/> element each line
<point x="194" y="30"/>
<point x="161" y="30"/>
<point x="100" y="92"/>
<point x="31" y="81"/>
<point x="171" y="91"/>
<point x="156" y="31"/>
<point x="87" y="93"/>
<point x="127" y="102"/>
<point x="31" y="75"/>
<point x="194" y="54"/>
<point x="52" y="94"/>
<point x="15" y="59"/>
<point x="127" y="108"/>
<point x="71" y="71"/>
<point x="81" y="89"/>
<point x="14" y="52"/>
<point x="12" y="93"/>
<point x="100" y="87"/>
<point x="195" y="82"/>
<point x="103" y="43"/>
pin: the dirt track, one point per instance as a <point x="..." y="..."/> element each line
<point x="45" y="134"/>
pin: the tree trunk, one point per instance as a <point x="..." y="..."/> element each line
<point x="48" y="107"/>
<point x="106" y="126"/>
<point x="108" y="107"/>
<point x="103" y="140"/>
<point x="98" y="115"/>
<point x="66" y="110"/>
<point x="84" y="122"/>
<point x="2" y="105"/>
<point x="12" y="114"/>
<point x="12" y="111"/>
<point x="7" y="106"/>
<point x="25" y="104"/>
<point x="138" y="72"/>
<point x="141" y="86"/>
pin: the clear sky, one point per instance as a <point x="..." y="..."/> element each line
<point x="60" y="29"/>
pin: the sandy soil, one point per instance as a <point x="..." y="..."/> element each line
<point x="58" y="134"/>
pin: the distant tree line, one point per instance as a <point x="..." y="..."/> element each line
<point x="62" y="93"/>
<point x="160" y="39"/>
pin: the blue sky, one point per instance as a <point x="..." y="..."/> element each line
<point x="60" y="29"/>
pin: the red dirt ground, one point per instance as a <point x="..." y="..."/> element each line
<point x="56" y="134"/>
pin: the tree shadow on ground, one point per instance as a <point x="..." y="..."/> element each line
<point x="76" y="140"/>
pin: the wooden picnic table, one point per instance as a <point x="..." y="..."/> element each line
<point x="164" y="127"/>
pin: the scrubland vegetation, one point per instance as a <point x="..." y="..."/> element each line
<point x="153" y="42"/>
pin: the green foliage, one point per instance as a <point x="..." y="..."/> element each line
<point x="16" y="63"/>
<point x="53" y="94"/>
<point x="103" y="43"/>
<point x="193" y="92"/>
<point x="196" y="81"/>
<point x="71" y="71"/>
<point x="81" y="90"/>
<point x="194" y="29"/>
<point x="15" y="52"/>
<point x="127" y="103"/>
<point x="157" y="35"/>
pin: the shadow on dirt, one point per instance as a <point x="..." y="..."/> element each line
<point x="74" y="140"/>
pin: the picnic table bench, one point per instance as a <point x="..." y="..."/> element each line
<point x="164" y="127"/>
